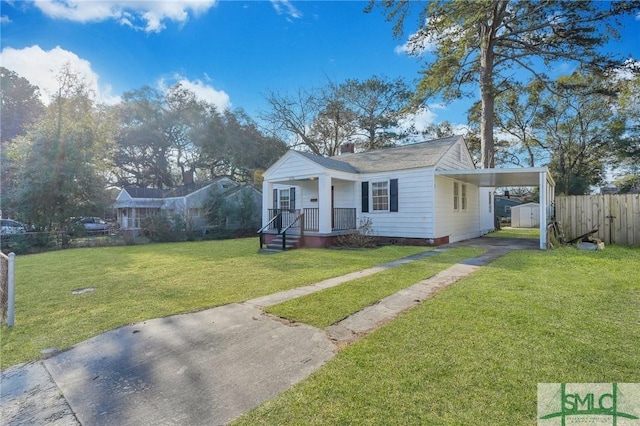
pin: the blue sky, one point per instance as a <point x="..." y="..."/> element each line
<point x="231" y="53"/>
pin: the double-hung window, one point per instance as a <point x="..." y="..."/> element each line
<point x="464" y="197"/>
<point x="285" y="199"/>
<point x="380" y="196"/>
<point x="456" y="196"/>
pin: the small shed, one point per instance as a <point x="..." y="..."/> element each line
<point x="525" y="215"/>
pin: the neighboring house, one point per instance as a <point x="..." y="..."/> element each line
<point x="133" y="204"/>
<point x="424" y="193"/>
<point x="504" y="205"/>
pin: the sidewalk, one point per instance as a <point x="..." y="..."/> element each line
<point x="207" y="367"/>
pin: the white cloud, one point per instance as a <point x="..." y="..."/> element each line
<point x="285" y="7"/>
<point x="203" y="91"/>
<point x="4" y="19"/>
<point x="419" y="120"/>
<point x="149" y="16"/>
<point x="415" y="46"/>
<point x="41" y="68"/>
<point x="428" y="38"/>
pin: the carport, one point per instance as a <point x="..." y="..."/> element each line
<point x="531" y="177"/>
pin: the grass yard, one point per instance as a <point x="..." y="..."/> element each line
<point x="475" y="353"/>
<point x="134" y="283"/>
<point x="507" y="232"/>
<point x="332" y="305"/>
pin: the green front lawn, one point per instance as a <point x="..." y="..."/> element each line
<point x="135" y="283"/>
<point x="475" y="353"/>
<point x="332" y="305"/>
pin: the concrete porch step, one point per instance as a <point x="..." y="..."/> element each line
<point x="293" y="241"/>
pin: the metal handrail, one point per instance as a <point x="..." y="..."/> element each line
<point x="264" y="228"/>
<point x="284" y="230"/>
<point x="261" y="231"/>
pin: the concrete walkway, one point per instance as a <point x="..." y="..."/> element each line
<point x="203" y="368"/>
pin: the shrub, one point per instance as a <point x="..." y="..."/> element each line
<point x="363" y="237"/>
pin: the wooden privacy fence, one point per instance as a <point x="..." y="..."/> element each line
<point x="617" y="217"/>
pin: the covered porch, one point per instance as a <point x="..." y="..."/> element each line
<point x="320" y="204"/>
<point x="310" y="210"/>
<point x="131" y="213"/>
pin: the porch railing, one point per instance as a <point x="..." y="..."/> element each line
<point x="283" y="219"/>
<point x="343" y="219"/>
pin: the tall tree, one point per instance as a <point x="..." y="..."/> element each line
<point x="627" y="150"/>
<point x="142" y="156"/>
<point x="232" y="145"/>
<point x="480" y="43"/>
<point x="333" y="126"/>
<point x="579" y="127"/>
<point x="367" y="113"/>
<point x="378" y="104"/>
<point x="516" y="109"/>
<point x="20" y="107"/>
<point x="65" y="157"/>
<point x="291" y="116"/>
<point x="183" y="118"/>
<point x="20" y="104"/>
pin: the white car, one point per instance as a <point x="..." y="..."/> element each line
<point x="10" y="227"/>
<point x="94" y="225"/>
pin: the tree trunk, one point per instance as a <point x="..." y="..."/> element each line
<point x="487" y="100"/>
<point x="488" y="34"/>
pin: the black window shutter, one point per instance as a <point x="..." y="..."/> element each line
<point x="292" y="198"/>
<point x="275" y="199"/>
<point x="365" y="197"/>
<point x="393" y="195"/>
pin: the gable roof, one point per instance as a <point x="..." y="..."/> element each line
<point x="412" y="156"/>
<point x="136" y="192"/>
<point x="330" y="162"/>
<point x="179" y="191"/>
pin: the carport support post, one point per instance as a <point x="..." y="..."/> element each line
<point x="543" y="210"/>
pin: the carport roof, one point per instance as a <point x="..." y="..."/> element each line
<point x="499" y="177"/>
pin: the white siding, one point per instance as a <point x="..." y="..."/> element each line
<point x="414" y="218"/>
<point x="457" y="158"/>
<point x="344" y="195"/>
<point x="456" y="224"/>
<point x="307" y="191"/>
<point x="291" y="167"/>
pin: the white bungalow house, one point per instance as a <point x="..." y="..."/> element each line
<point x="133" y="204"/>
<point x="426" y="193"/>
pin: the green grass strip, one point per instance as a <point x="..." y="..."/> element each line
<point x="532" y="233"/>
<point x="329" y="306"/>
<point x="476" y="353"/>
<point x="135" y="283"/>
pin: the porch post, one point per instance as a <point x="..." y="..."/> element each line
<point x="324" y="204"/>
<point x="543" y="210"/>
<point x="267" y="201"/>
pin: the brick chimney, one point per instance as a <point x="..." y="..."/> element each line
<point x="347" y="148"/>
